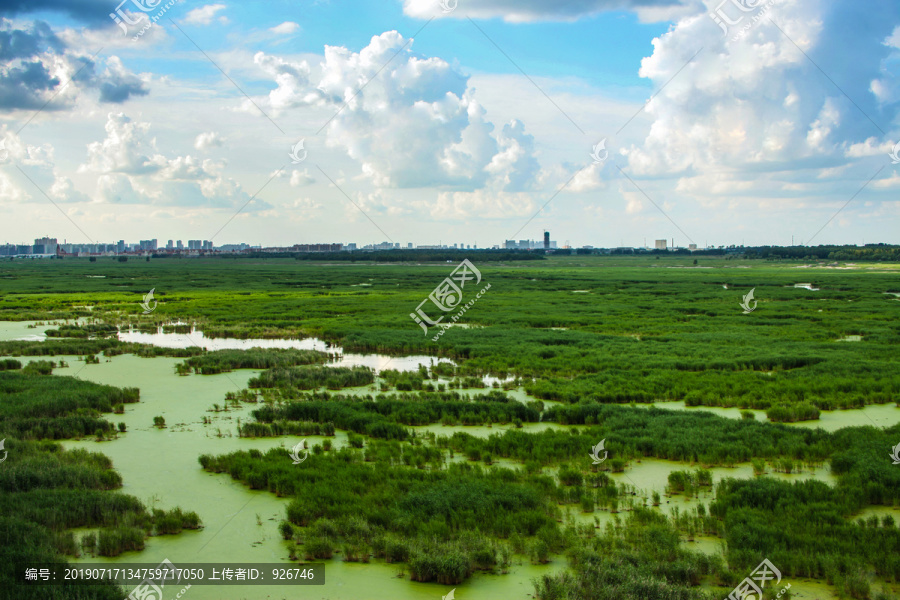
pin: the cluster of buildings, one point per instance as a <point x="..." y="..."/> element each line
<point x="547" y="244"/>
<point x="49" y="247"/>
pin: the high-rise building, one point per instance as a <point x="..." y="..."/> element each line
<point x="195" y="244"/>
<point x="120" y="247"/>
<point x="546" y="240"/>
<point x="179" y="245"/>
<point x="661" y="244"/>
<point x="170" y="245"/>
<point x="44" y="245"/>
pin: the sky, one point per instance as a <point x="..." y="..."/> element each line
<point x="606" y="122"/>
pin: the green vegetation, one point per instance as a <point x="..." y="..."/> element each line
<point x="807" y="527"/>
<point x="45" y="491"/>
<point x="382" y="416"/>
<point x="672" y="435"/>
<point x="642" y="331"/>
<point x="364" y="501"/>
<point x="38" y="367"/>
<point x="83" y="331"/>
<point x="9" y="364"/>
<point x="90" y="347"/>
<point x="591" y="332"/>
<point x="221" y="361"/>
<point x="291" y="379"/>
<point x="398" y="513"/>
<point x="637" y="560"/>
<point x="38" y="407"/>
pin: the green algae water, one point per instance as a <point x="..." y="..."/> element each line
<point x="159" y="466"/>
<point x="878" y="415"/>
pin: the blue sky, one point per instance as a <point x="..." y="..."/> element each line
<point x="783" y="127"/>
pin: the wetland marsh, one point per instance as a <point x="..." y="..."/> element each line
<point x="466" y="464"/>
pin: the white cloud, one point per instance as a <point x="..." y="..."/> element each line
<point x="588" y="179"/>
<point x="301" y="178"/>
<point x="419" y="127"/>
<point x="208" y="140"/>
<point x="131" y="170"/>
<point x="870" y="147"/>
<point x="203" y="15"/>
<point x="304" y="208"/>
<point x="484" y="204"/>
<point x="285" y="28"/>
<point x="43" y="176"/>
<point x="755" y="115"/>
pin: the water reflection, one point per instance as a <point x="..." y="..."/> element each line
<point x="376" y="362"/>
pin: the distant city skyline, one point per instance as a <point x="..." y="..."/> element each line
<point x="47" y="246"/>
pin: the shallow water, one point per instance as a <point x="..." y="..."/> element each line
<point x="377" y="362"/>
<point x="160" y="467"/>
<point x="22" y="330"/>
<point x="27" y="331"/>
<point x="879" y="415"/>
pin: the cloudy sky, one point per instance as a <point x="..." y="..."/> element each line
<point x="607" y="122"/>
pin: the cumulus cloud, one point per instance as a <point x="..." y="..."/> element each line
<point x="208" y="140"/>
<point x="38" y="66"/>
<point x="525" y="11"/>
<point x="130" y="170"/>
<point x="420" y="126"/>
<point x="755" y="111"/>
<point x="117" y="84"/>
<point x="204" y="15"/>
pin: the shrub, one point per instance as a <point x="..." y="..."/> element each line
<point x="38" y="367"/>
